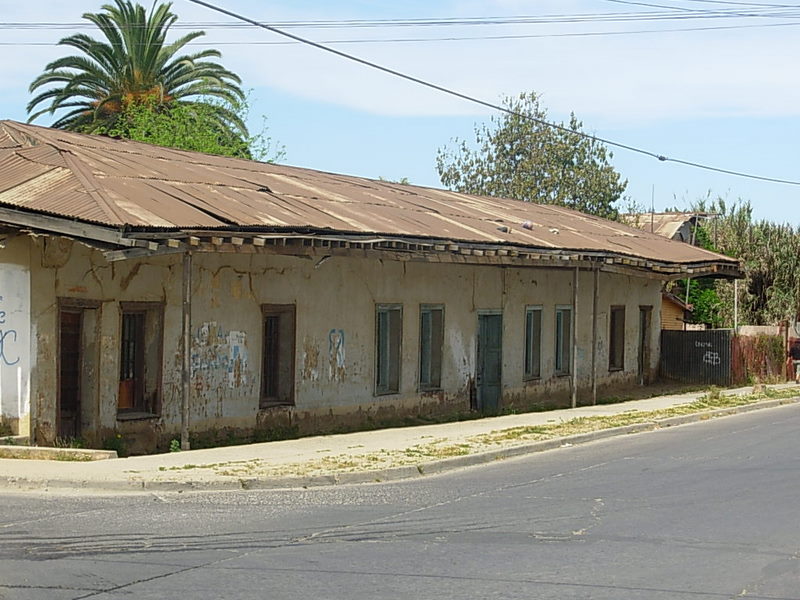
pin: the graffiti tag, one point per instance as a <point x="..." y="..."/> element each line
<point x="712" y="358"/>
<point x="7" y="337"/>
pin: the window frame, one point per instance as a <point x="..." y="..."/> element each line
<point x="147" y="395"/>
<point x="563" y="343"/>
<point x="436" y="350"/>
<point x="528" y="372"/>
<point x="391" y="349"/>
<point x="616" y="338"/>
<point x="282" y="397"/>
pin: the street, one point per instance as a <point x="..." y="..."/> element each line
<point x="703" y="511"/>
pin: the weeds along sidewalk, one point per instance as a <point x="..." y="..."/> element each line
<point x="710" y="405"/>
<point x="384" y="455"/>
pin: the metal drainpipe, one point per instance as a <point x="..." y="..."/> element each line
<point x="575" y="338"/>
<point x="186" y="373"/>
<point x="594" y="332"/>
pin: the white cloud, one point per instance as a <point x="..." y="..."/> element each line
<point x="608" y="80"/>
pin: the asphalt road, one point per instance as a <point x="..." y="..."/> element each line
<point x="704" y="511"/>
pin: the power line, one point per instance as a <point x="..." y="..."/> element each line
<point x="733" y="3"/>
<point x="500" y="37"/>
<point x="671" y="13"/>
<point x="486" y="104"/>
<point x="726" y="13"/>
<point x="611" y="17"/>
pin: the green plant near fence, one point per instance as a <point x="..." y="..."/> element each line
<point x="761" y="358"/>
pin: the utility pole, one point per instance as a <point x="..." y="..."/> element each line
<point x="186" y="348"/>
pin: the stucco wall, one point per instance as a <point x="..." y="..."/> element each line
<point x="335" y="334"/>
<point x="15" y="334"/>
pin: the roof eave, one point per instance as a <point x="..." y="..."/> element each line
<point x="132" y="242"/>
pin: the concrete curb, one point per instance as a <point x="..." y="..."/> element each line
<point x="16" y="440"/>
<point x="398" y="473"/>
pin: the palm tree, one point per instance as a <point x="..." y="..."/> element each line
<point x="135" y="65"/>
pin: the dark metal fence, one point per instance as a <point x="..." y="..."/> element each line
<point x="697" y="356"/>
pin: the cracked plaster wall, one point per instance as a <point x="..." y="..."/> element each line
<point x="335" y="332"/>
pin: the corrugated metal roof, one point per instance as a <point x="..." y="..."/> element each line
<point x="119" y="182"/>
<point x="664" y="224"/>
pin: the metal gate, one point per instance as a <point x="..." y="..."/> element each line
<point x="697" y="356"/>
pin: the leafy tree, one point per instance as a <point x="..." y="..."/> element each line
<point x="189" y="127"/>
<point x="135" y="65"/>
<point x="707" y="307"/>
<point x="705" y="302"/>
<point x="518" y="156"/>
<point x="770" y="255"/>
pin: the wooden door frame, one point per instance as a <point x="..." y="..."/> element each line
<point x="153" y="312"/>
<point x="72" y="305"/>
<point x="644" y="353"/>
<point x="282" y="311"/>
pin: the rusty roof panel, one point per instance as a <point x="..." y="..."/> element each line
<point x="15" y="170"/>
<point x="43" y="155"/>
<point x="26" y="184"/>
<point x="664" y="224"/>
<point x="114" y="182"/>
<point x="6" y="140"/>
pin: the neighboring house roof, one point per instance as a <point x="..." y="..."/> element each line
<point x="667" y="224"/>
<point x="138" y="188"/>
<point x="676" y="301"/>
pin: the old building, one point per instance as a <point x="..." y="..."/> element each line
<point x="146" y="292"/>
<point x="675" y="313"/>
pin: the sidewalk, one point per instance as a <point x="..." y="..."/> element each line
<point x="380" y="455"/>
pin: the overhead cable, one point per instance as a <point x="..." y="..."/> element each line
<point x="463" y="38"/>
<point x="670" y="13"/>
<point x="485" y="103"/>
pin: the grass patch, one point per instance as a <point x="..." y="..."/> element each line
<point x="440" y="448"/>
<point x="714" y="400"/>
<point x="52" y="455"/>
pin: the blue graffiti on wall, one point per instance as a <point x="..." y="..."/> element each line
<point x="336" y="368"/>
<point x="7" y="337"/>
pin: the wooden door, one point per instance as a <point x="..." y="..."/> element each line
<point x="490" y="362"/>
<point x="69" y="388"/>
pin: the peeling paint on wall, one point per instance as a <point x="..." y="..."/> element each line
<point x="56" y="252"/>
<point x="336" y="358"/>
<point x="219" y="357"/>
<point x="237" y="358"/>
<point x="464" y="360"/>
<point x="236" y="288"/>
<point x="310" y="370"/>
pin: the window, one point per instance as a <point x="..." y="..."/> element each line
<point x="533" y="343"/>
<point x="140" y="357"/>
<point x="431" y="337"/>
<point x="277" y="365"/>
<point x="388" y="336"/>
<point x="563" y="340"/>
<point x="616" y="339"/>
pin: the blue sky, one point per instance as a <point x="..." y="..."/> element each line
<point x="727" y="97"/>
